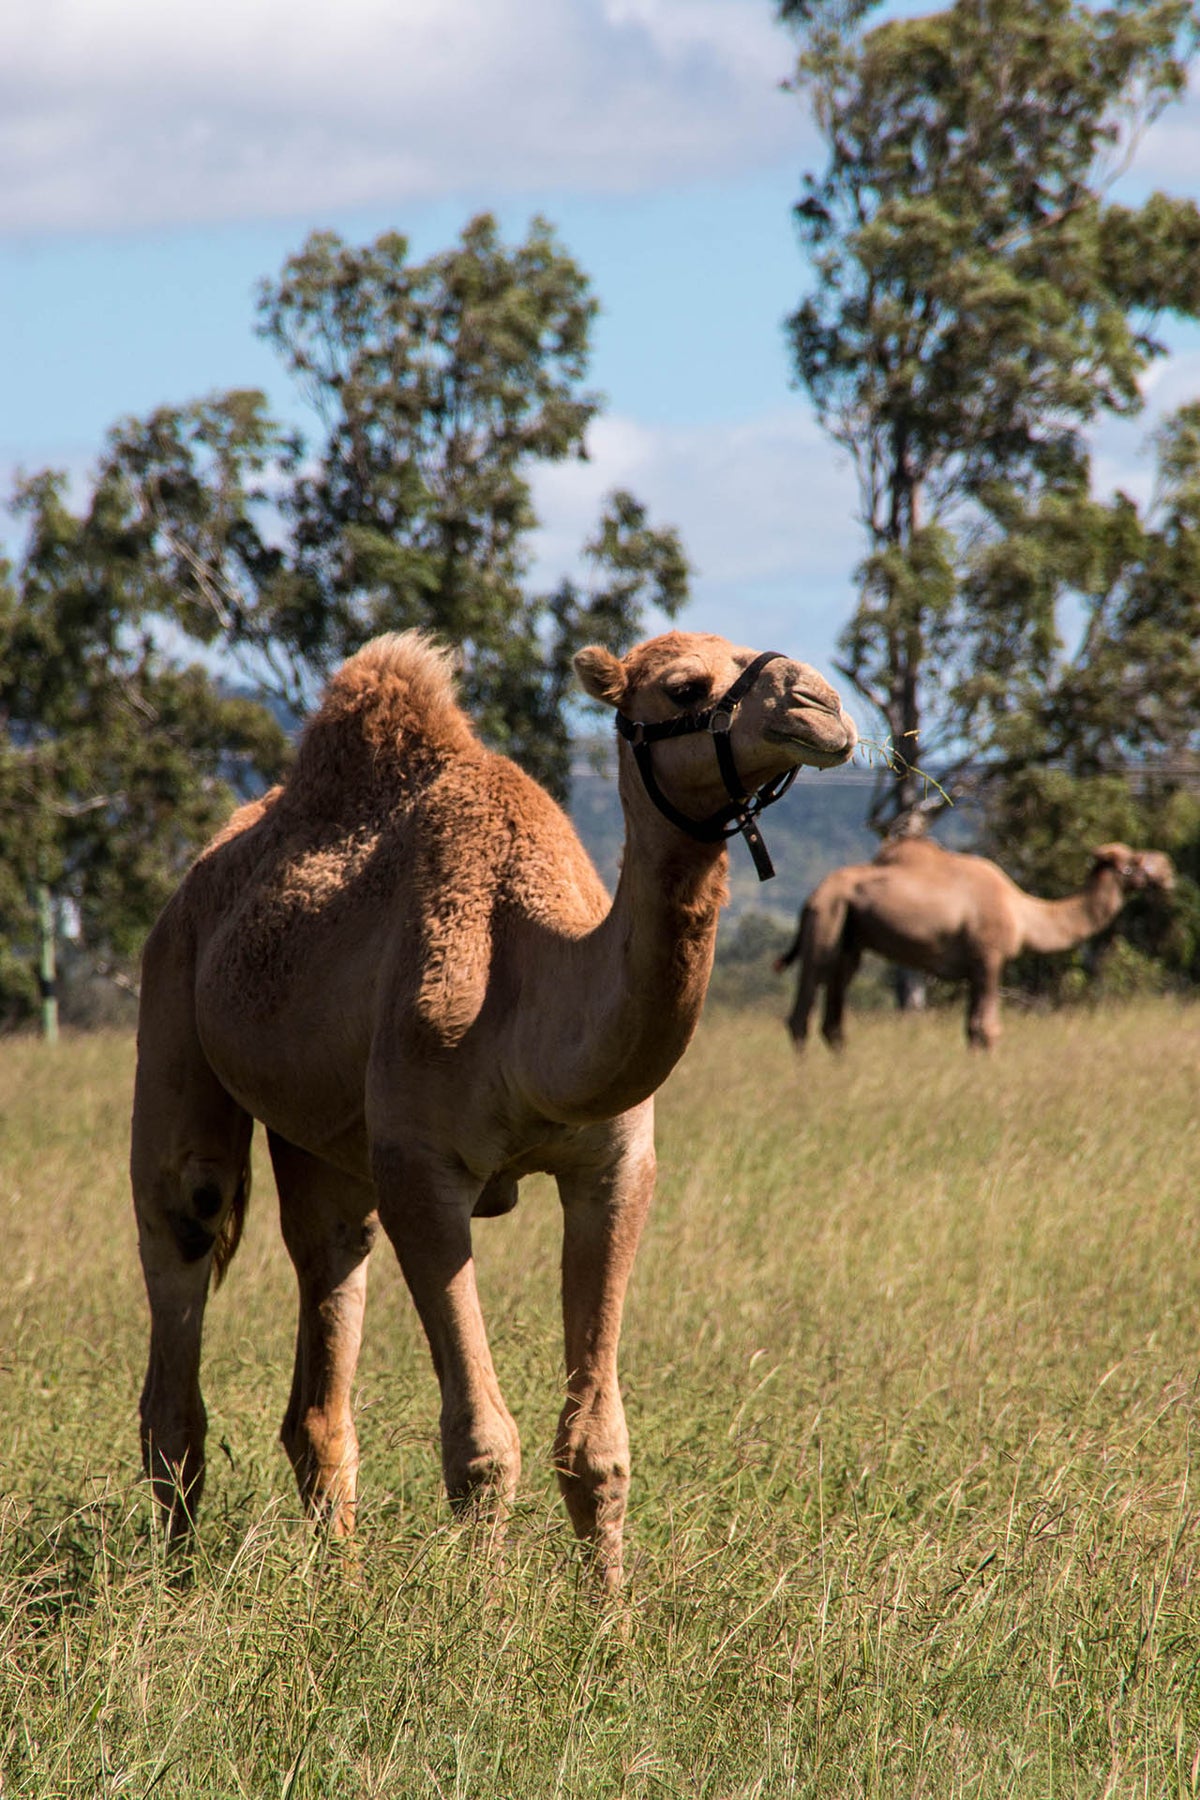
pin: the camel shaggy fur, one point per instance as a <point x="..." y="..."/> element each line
<point x="404" y="965"/>
<point x="946" y="914"/>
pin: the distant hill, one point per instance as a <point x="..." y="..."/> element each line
<point x="816" y="827"/>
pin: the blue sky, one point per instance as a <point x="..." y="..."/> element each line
<point x="157" y="162"/>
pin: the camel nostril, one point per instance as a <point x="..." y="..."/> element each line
<point x="826" y="701"/>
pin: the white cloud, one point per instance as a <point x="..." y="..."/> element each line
<point x="698" y="28"/>
<point x="756" y="500"/>
<point x="131" y="113"/>
<point x="1175" y="379"/>
<point x="765" y="509"/>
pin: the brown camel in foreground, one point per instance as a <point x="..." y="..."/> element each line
<point x="403" y="963"/>
<point x="945" y="914"/>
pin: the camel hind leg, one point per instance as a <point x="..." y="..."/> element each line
<point x="190" y="1174"/>
<point x="329" y="1225"/>
<point x="845" y="967"/>
<point x="829" y="955"/>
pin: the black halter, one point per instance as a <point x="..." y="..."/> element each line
<point x="741" y="813"/>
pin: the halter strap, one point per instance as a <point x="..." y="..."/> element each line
<point x="744" y="808"/>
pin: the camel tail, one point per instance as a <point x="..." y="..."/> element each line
<point x="806" y="987"/>
<point x="230" y="1234"/>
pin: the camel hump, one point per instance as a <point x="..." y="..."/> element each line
<point x="389" y="713"/>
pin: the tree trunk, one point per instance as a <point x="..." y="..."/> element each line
<point x="911" y="990"/>
<point x="47" y="964"/>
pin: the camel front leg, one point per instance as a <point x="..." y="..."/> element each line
<point x="604" y="1210"/>
<point x="328" y="1223"/>
<point x="425" y="1208"/>
<point x="983" y="1004"/>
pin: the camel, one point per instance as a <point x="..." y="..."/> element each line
<point x="403" y="963"/>
<point x="947" y="914"/>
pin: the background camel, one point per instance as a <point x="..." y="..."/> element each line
<point x="946" y="914"/>
<point x="405" y="966"/>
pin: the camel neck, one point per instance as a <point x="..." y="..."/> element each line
<point x="635" y="984"/>
<point x="1061" y="924"/>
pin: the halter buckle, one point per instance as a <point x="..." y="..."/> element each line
<point x="721" y="721"/>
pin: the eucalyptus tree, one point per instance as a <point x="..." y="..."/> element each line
<point x="116" y="763"/>
<point x="1100" y="739"/>
<point x="432" y="393"/>
<point x="978" y="300"/>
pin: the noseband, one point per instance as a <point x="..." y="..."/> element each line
<point x="743" y="808"/>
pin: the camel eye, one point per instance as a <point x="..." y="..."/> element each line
<point x="689" y="693"/>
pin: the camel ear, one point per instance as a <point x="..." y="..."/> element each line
<point x="601" y="673"/>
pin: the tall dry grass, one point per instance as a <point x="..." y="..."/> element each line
<point x="910" y="1360"/>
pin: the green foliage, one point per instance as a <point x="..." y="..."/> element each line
<point x="744" y="970"/>
<point x="976" y="303"/>
<point x="1067" y="728"/>
<point x="115" y="765"/>
<point x="437" y="387"/>
<point x="1126" y="691"/>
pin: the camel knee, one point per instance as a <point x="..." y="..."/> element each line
<point x="193" y="1211"/>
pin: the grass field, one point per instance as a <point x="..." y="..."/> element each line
<point x="910" y="1360"/>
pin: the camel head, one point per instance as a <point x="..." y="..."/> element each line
<point x="1136" y="870"/>
<point x="789" y="716"/>
<point x="717" y="732"/>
